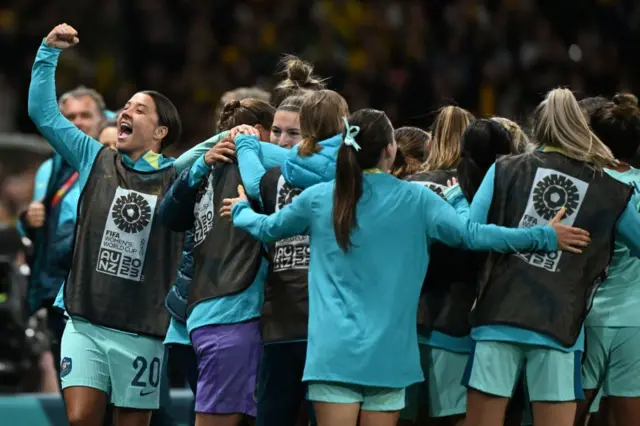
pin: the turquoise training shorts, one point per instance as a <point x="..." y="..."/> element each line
<point x="551" y="375"/>
<point x="126" y="366"/>
<point x="442" y="392"/>
<point x="612" y="353"/>
<point x="371" y="398"/>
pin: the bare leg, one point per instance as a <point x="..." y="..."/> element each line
<point x="379" y="418"/>
<point x="131" y="417"/>
<point x="554" y="413"/>
<point x="582" y="410"/>
<point x="85" y="406"/>
<point x="330" y="414"/>
<point x="484" y="409"/>
<point x="203" y="419"/>
<point x="626" y="411"/>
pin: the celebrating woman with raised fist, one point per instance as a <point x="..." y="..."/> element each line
<point x="124" y="259"/>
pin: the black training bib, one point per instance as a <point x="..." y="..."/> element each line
<point x="549" y="293"/>
<point x="449" y="288"/>
<point x="286" y="302"/>
<point x="124" y="259"/>
<point x="226" y="259"/>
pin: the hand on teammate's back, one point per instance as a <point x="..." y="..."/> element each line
<point x="62" y="37"/>
<point x="228" y="203"/>
<point x="569" y="238"/>
<point x="223" y="151"/>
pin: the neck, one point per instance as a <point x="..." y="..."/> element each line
<point x="135" y="155"/>
<point x="622" y="166"/>
<point x="384" y="164"/>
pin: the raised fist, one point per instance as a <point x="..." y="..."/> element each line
<point x="62" y="36"/>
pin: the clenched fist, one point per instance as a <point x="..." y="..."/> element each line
<point x="35" y="214"/>
<point x="62" y="37"/>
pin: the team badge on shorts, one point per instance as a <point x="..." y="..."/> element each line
<point x="65" y="366"/>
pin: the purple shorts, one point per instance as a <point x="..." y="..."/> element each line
<point x="228" y="357"/>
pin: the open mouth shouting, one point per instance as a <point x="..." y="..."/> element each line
<point x="125" y="129"/>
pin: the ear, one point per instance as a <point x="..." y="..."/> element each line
<point x="260" y="128"/>
<point x="264" y="133"/>
<point x="160" y="132"/>
<point x="388" y="151"/>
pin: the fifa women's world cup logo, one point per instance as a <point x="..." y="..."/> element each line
<point x="554" y="192"/>
<point x="551" y="190"/>
<point x="131" y="213"/>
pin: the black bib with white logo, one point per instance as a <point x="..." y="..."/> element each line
<point x="449" y="289"/>
<point x="286" y="301"/>
<point x="226" y="259"/>
<point x="549" y="293"/>
<point x="124" y="259"/>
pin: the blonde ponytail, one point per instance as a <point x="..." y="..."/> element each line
<point x="561" y="123"/>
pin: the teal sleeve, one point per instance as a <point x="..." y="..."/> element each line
<point x="78" y="149"/>
<point x="198" y="171"/>
<point x="251" y="168"/>
<point x="484" y="196"/>
<point x="41" y="182"/>
<point x="189" y="157"/>
<point x="272" y="155"/>
<point x="443" y="224"/>
<point x="456" y="198"/>
<point x="293" y="219"/>
<point x="628" y="227"/>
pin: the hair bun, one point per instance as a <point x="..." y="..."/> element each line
<point x="298" y="70"/>
<point x="626" y="99"/>
<point x="626" y="104"/>
<point x="228" y="111"/>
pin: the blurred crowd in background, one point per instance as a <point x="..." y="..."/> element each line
<point x="405" y="57"/>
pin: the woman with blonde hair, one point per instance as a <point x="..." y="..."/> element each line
<point x="530" y="308"/>
<point x="519" y="138"/>
<point x="442" y="353"/>
<point x="444" y="148"/>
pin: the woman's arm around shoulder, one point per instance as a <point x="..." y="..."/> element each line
<point x="251" y="168"/>
<point x="293" y="219"/>
<point x="443" y="224"/>
<point x="189" y="157"/>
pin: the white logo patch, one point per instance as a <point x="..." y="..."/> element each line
<point x="126" y="234"/>
<point x="203" y="211"/>
<point x="551" y="190"/>
<point x="435" y="187"/>
<point x="293" y="252"/>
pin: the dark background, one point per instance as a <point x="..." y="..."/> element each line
<point x="406" y="57"/>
